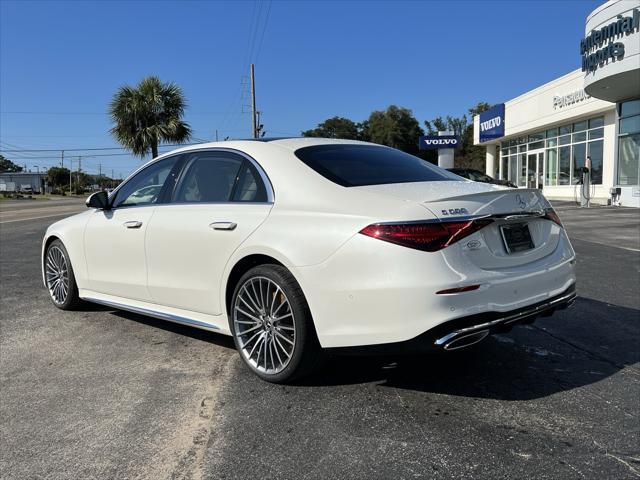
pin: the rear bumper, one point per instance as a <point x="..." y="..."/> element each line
<point x="372" y="292"/>
<point x="466" y="331"/>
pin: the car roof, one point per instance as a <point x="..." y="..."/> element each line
<point x="290" y="143"/>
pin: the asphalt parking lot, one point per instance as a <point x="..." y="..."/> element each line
<point x="107" y="394"/>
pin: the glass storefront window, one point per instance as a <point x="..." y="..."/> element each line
<point x="630" y="124"/>
<point x="632" y="107"/>
<point x="577" y="161"/>
<point x="597" y="133"/>
<point x="552" y="167"/>
<point x="504" y="164"/>
<point x="629" y="143"/>
<point x="579" y="137"/>
<point x="522" y="164"/>
<point x="564" y="173"/>
<point x="513" y="169"/>
<point x="561" y="166"/>
<point x="595" y="153"/>
<point x="578" y="127"/>
<point x="596" y="122"/>
<point x="535" y="137"/>
<point x="628" y="159"/>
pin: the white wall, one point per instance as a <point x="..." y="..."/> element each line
<point x="535" y="109"/>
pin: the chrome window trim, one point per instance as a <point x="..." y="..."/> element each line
<point x="263" y="175"/>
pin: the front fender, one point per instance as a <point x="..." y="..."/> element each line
<point x="70" y="231"/>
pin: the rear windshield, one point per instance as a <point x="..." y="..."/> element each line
<point x="360" y="165"/>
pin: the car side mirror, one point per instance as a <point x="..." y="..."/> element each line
<point x="99" y="200"/>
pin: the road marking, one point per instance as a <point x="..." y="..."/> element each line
<point x="42" y="208"/>
<point x="37" y="218"/>
<point x="608" y="245"/>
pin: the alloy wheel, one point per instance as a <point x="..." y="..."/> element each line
<point x="57" y="275"/>
<point x="264" y="325"/>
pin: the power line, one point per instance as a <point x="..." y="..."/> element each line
<point x="93" y="155"/>
<point x="85" y="149"/>
<point x="264" y="28"/>
<point x="93" y="113"/>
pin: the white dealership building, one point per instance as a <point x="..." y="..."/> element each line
<point x="543" y="138"/>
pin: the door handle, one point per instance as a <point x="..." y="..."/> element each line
<point x="223" y="225"/>
<point x="132" y="224"/>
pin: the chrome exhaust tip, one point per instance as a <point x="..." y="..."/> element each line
<point x="466" y="340"/>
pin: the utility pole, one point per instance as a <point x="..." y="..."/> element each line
<point x="216" y="134"/>
<point x="70" y="169"/>
<point x="62" y="159"/>
<point x="254" y="119"/>
<point x="79" y="168"/>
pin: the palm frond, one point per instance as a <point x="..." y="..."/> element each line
<point x="148" y="114"/>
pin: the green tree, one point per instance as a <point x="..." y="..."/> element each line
<point x="7" y="165"/>
<point x="58" y="177"/>
<point x="336" y="127"/>
<point x="395" y="127"/>
<point x="148" y="114"/>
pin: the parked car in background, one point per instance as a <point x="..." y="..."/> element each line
<point x="478" y="176"/>
<point x="296" y="246"/>
<point x="28" y="189"/>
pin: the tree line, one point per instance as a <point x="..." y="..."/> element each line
<point x="150" y="113"/>
<point x="59" y="178"/>
<point x="397" y="127"/>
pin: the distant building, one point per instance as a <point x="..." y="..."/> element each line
<point x="18" y="182"/>
<point x="587" y="118"/>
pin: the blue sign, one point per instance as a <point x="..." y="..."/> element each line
<point x="436" y="142"/>
<point x="492" y="123"/>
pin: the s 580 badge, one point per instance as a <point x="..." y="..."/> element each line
<point x="455" y="211"/>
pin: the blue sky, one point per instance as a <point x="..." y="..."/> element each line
<point x="60" y="63"/>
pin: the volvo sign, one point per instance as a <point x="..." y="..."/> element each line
<point x="435" y="142"/>
<point x="492" y="123"/>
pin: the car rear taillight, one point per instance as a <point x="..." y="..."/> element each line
<point x="550" y="214"/>
<point x="429" y="237"/>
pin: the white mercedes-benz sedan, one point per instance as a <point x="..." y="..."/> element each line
<point x="300" y="246"/>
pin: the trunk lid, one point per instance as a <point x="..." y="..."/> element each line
<point x="488" y="248"/>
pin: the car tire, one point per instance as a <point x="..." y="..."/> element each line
<point x="272" y="326"/>
<point x="59" y="277"/>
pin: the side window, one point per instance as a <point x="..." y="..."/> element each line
<point x="208" y="177"/>
<point x="145" y="187"/>
<point x="250" y="187"/>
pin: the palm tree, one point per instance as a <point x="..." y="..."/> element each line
<point x="148" y="114"/>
